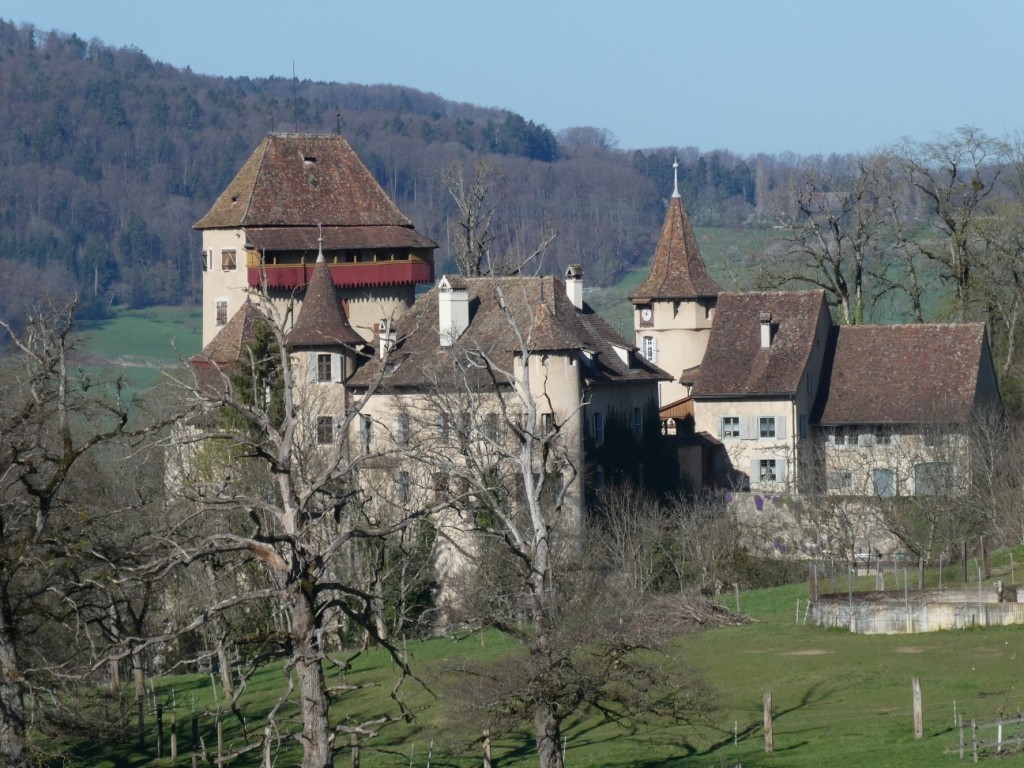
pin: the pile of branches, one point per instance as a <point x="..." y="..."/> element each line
<point x="669" y="615"/>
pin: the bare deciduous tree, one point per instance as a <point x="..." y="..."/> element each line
<point x="836" y="236"/>
<point x="51" y="418"/>
<point x="954" y="176"/>
<point x="283" y="487"/>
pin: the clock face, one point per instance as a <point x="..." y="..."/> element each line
<point x="646" y="315"/>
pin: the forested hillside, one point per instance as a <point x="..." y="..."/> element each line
<point x="109" y="157"/>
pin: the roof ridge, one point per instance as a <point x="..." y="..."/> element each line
<point x="265" y="147"/>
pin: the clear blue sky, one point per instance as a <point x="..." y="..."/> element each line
<point x="749" y="76"/>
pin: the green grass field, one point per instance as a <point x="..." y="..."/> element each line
<point x="838" y="698"/>
<point x="139" y="345"/>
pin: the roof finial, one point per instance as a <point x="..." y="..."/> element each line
<point x="675" y="173"/>
<point x="320" y="243"/>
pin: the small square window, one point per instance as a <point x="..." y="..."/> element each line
<point x="731" y="427"/>
<point x="222" y="312"/>
<point x="323" y="367"/>
<point x="883" y="482"/>
<point x="324" y="430"/>
<point x="227" y="259"/>
<point x="365" y="431"/>
<point x="766" y="427"/>
<point x="444" y="427"/>
<point x="649" y="349"/>
<point x="767" y="471"/>
<point x="841" y="480"/>
<point x="402" y="487"/>
<point x="402" y="429"/>
<point x="883" y="436"/>
<point x="599" y="428"/>
<point x="491" y="426"/>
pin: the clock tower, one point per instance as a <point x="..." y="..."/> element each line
<point x="673" y="309"/>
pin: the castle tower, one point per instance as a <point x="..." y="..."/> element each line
<point x="298" y="195"/>
<point x="673" y="309"/>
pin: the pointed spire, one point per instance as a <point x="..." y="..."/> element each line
<point x="320" y="243"/>
<point x="322" y="321"/>
<point x="677" y="269"/>
<point x="675" y="173"/>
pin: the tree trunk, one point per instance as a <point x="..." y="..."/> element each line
<point x="13" y="745"/>
<point x="224" y="663"/>
<point x="547" y="729"/>
<point x="316" y="730"/>
<point x="139" y="677"/>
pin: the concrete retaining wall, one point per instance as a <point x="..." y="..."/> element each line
<point x="890" y="613"/>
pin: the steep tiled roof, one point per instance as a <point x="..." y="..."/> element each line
<point x="903" y="374"/>
<point x="736" y="365"/>
<point x="295" y="179"/>
<point x="227" y="346"/>
<point x="335" y="238"/>
<point x="677" y="269"/>
<point x="536" y="308"/>
<point x="220" y="357"/>
<point x="321" y="320"/>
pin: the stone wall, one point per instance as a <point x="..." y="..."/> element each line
<point x="887" y="613"/>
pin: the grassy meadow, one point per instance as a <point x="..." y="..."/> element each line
<point x="839" y="698"/>
<point x="139" y="345"/>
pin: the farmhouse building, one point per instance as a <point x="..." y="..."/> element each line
<point x="768" y="394"/>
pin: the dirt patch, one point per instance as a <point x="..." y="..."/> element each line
<point x="807" y="652"/>
<point x="909" y="649"/>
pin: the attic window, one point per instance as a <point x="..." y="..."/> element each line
<point x="234" y="198"/>
<point x="308" y="159"/>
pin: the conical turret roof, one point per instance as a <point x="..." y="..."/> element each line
<point x="322" y="321"/>
<point x="677" y="269"/>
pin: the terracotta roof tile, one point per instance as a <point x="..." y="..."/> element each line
<point x="539" y="310"/>
<point x="736" y="365"/>
<point x="220" y="357"/>
<point x="299" y="179"/>
<point x="335" y="238"/>
<point x="904" y="374"/>
<point x="677" y="269"/>
<point x="240" y="331"/>
<point x="322" y="321"/>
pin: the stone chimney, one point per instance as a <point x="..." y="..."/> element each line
<point x="387" y="336"/>
<point x="574" y="284"/>
<point x="766" y="330"/>
<point x="452" y="308"/>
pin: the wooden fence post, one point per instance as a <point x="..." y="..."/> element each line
<point x="355" y="749"/>
<point x="174" y="737"/>
<point x="220" y="742"/>
<point x="960" y="725"/>
<point x="159" y="730"/>
<point x="140" y="718"/>
<point x="769" y="740"/>
<point x="918" y="714"/>
<point x="487" y="748"/>
<point x="974" y="738"/>
<point x="266" y="748"/>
